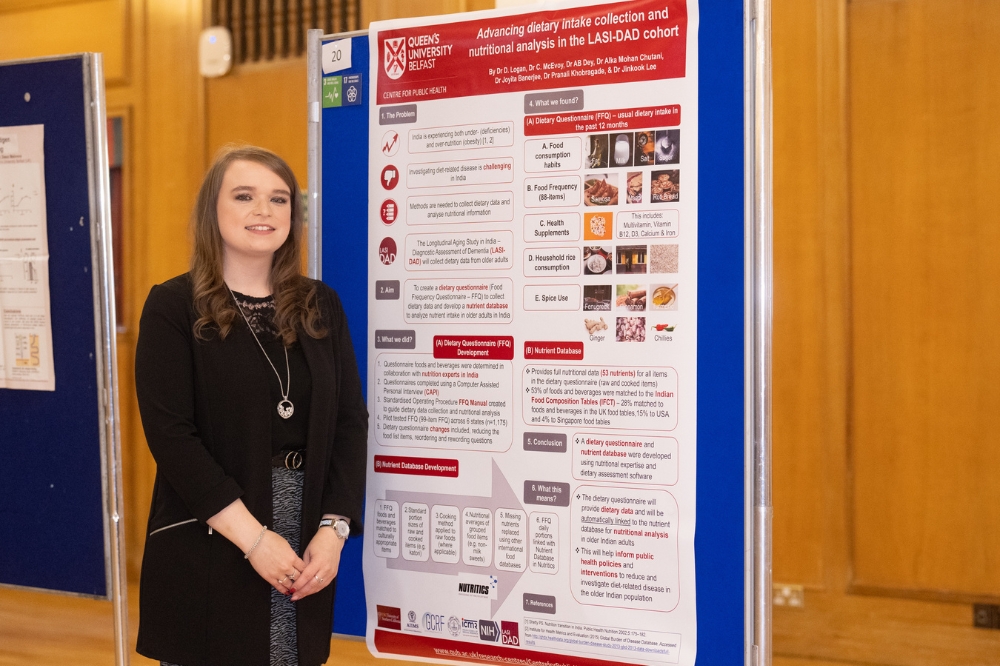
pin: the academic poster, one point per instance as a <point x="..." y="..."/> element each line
<point x="533" y="291"/>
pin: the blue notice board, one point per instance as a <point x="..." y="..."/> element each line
<point x="51" y="482"/>
<point x="720" y="540"/>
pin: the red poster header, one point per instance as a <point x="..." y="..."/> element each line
<point x="561" y="351"/>
<point x="641" y="40"/>
<point x="574" y="122"/>
<point x="417" y="466"/>
<point x="487" y="347"/>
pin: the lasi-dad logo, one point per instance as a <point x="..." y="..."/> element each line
<point x="482" y="587"/>
<point x="509" y="634"/>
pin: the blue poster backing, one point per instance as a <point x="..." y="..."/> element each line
<point x="51" y="509"/>
<point x="721" y="476"/>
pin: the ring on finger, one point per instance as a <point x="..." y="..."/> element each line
<point x="318" y="578"/>
<point x="282" y="581"/>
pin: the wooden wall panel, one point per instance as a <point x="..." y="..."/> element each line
<point x="100" y="25"/>
<point x="381" y="10"/>
<point x="798" y="336"/>
<point x="264" y="105"/>
<point x="925" y="142"/>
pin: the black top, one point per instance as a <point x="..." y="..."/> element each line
<point x="207" y="410"/>
<point x="286" y="434"/>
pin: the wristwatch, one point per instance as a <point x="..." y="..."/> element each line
<point x="340" y="526"/>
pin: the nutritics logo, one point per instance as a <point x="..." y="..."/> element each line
<point x="509" y="634"/>
<point x="481" y="587"/>
<point x="489" y="631"/>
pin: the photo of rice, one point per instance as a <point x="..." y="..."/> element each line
<point x="665" y="186"/>
<point x="597" y="226"/>
<point x="633" y="187"/>
<point x="630" y="297"/>
<point x="597" y="260"/>
<point x="630" y="329"/>
<point x="600" y="189"/>
<point x="597" y="151"/>
<point x="668" y="146"/>
<point x="663" y="258"/>
<point x="630" y="259"/>
<point x="645" y="144"/>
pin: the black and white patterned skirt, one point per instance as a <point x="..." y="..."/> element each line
<point x="286" y="490"/>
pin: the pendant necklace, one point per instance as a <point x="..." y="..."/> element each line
<point x="285" y="407"/>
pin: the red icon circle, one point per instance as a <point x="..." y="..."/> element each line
<point x="389" y="211"/>
<point x="390" y="176"/>
<point x="387" y="251"/>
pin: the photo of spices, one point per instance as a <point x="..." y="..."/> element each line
<point x="630" y="259"/>
<point x="597" y="151"/>
<point x="595" y="326"/>
<point x="630" y="297"/>
<point x="630" y="329"/>
<point x="665" y="186"/>
<point x="633" y="185"/>
<point x="664" y="297"/>
<point x="597" y="297"/>
<point x="663" y="258"/>
<point x="644" y="148"/>
<point x="600" y="189"/>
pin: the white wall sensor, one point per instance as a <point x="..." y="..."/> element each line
<point x="215" y="52"/>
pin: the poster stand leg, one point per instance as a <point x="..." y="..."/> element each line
<point x="761" y="335"/>
<point x="107" y="356"/>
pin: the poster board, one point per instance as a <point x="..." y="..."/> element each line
<point x="731" y="543"/>
<point x="60" y="482"/>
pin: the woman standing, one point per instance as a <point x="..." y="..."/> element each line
<point x="251" y="404"/>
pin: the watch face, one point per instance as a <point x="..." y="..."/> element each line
<point x="342" y="529"/>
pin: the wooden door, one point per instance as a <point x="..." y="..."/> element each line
<point x="887" y="365"/>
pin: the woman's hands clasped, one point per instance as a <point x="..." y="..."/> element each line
<point x="275" y="561"/>
<point x="322" y="560"/>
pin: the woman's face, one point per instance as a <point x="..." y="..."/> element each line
<point x="254" y="210"/>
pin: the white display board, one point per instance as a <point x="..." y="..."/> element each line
<point x="533" y="329"/>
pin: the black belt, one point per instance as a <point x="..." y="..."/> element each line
<point x="289" y="459"/>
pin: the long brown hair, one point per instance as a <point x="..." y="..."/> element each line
<point x="295" y="297"/>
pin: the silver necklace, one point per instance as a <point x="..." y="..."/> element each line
<point x="285" y="407"/>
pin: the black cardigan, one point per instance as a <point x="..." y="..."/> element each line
<point x="206" y="412"/>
